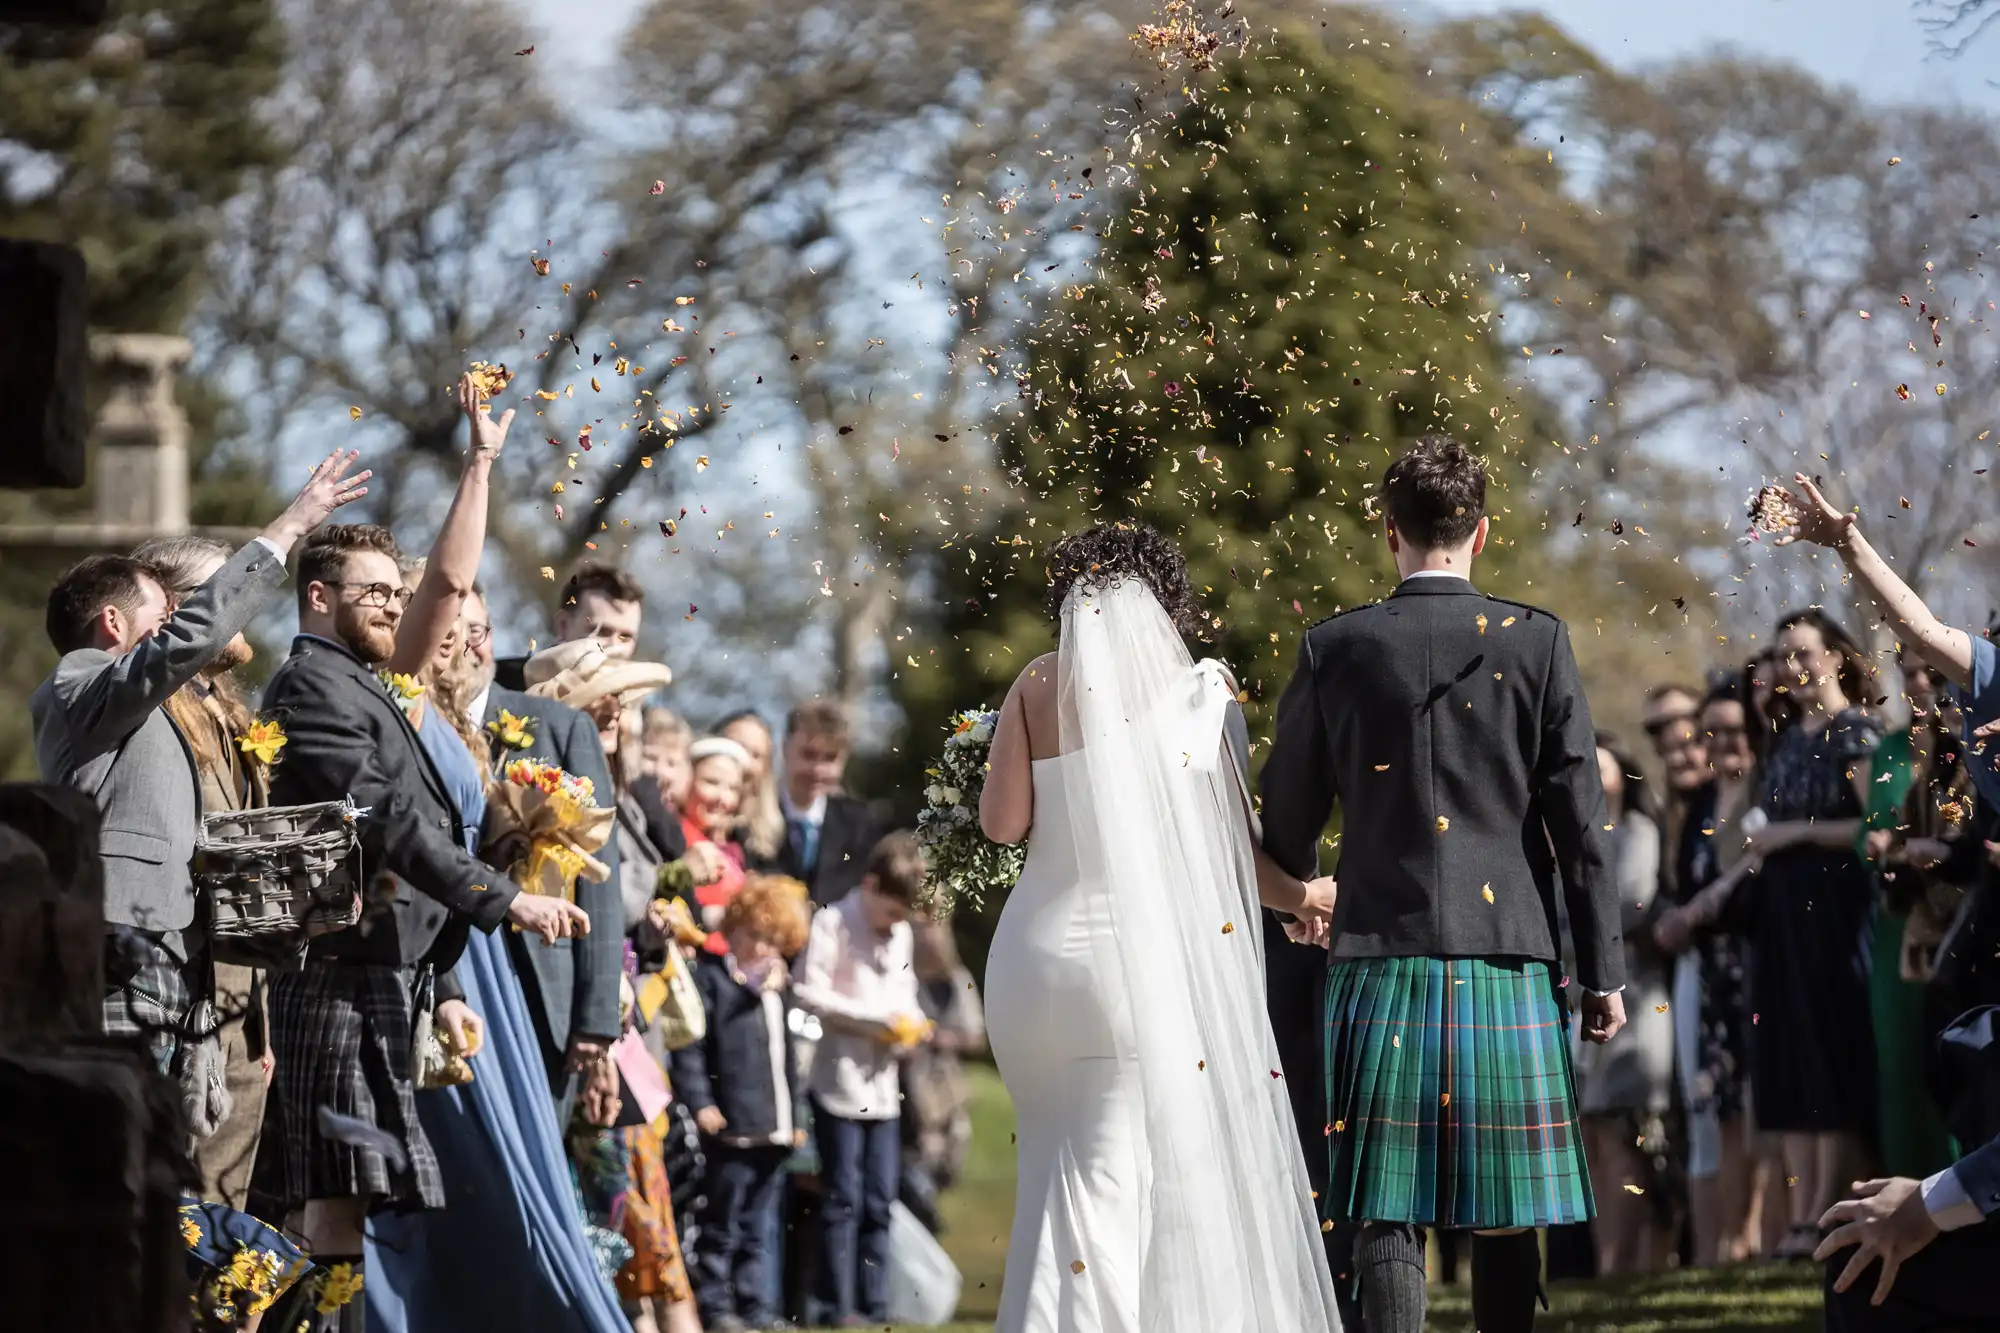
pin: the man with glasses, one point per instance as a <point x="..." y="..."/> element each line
<point x="100" y="726"/>
<point x="572" y="987"/>
<point x="343" y="1027"/>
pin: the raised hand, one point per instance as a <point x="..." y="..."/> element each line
<point x="1813" y="519"/>
<point x="551" y="918"/>
<point x="327" y="489"/>
<point x="488" y="435"/>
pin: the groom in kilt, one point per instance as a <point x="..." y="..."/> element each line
<point x="1451" y="728"/>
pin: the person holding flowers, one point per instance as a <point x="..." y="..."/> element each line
<point x="857" y="975"/>
<point x="572" y="987"/>
<point x="488" y="1113"/>
<point x="350" y="702"/>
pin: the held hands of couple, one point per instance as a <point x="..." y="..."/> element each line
<point x="1603" y="1015"/>
<point x="551" y="918"/>
<point x="1314" y="915"/>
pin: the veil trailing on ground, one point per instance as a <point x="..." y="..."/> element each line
<point x="1231" y="1242"/>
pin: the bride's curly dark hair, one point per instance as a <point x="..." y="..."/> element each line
<point x="1111" y="552"/>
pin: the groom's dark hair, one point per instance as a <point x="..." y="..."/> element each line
<point x="1436" y="493"/>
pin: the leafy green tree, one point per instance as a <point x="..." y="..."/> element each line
<point x="1289" y="301"/>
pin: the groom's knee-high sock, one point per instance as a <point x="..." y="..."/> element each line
<point x="1506" y="1280"/>
<point x="1389" y="1260"/>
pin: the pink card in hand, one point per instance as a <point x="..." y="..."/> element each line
<point x="642" y="1074"/>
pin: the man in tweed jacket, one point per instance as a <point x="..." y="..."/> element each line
<point x="1452" y="729"/>
<point x="99" y="727"/>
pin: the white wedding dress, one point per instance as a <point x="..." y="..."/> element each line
<point x="1161" y="1187"/>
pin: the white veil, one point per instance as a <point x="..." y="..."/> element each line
<point x="1231" y="1240"/>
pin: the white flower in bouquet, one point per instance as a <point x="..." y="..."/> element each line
<point x="963" y="864"/>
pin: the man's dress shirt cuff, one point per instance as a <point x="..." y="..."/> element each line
<point x="1948" y="1203"/>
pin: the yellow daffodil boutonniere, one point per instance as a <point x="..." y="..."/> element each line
<point x="403" y="688"/>
<point x="511" y="732"/>
<point x="263" y="740"/>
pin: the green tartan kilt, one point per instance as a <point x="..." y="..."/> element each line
<point x="1451" y="1099"/>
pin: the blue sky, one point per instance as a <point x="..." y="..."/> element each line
<point x="1876" y="46"/>
<point x="1873" y="45"/>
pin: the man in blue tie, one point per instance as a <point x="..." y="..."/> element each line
<point x="828" y="835"/>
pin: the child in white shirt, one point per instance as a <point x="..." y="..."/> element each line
<point x="857" y="975"/>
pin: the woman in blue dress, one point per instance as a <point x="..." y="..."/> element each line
<point x="508" y="1250"/>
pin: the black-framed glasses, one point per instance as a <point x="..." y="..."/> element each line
<point x="477" y="635"/>
<point x="373" y="594"/>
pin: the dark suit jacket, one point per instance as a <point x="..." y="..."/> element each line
<point x="347" y="739"/>
<point x="1452" y="728"/>
<point x="845" y="840"/>
<point x="732" y="1068"/>
<point x="511" y="673"/>
<point x="572" y="984"/>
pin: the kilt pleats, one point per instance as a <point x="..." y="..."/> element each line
<point x="1451" y="1100"/>
<point x="341" y="1037"/>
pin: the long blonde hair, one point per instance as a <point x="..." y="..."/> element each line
<point x="760" y="820"/>
<point x="183" y="562"/>
<point x="452" y="690"/>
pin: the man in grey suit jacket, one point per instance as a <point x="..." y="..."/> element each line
<point x="572" y="984"/>
<point x="99" y="727"/>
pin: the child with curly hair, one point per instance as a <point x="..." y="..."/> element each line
<point x="741" y="1080"/>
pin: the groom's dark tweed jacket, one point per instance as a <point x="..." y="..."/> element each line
<point x="1452" y="728"/>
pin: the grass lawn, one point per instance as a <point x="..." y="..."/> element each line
<point x="1765" y="1298"/>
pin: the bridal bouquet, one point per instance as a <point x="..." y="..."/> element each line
<point x="961" y="863"/>
<point x="557" y="815"/>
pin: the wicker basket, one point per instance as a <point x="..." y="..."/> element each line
<point x="276" y="877"/>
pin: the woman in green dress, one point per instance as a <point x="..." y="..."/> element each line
<point x="1908" y="780"/>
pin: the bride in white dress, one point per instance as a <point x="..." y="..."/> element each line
<point x="1161" y="1185"/>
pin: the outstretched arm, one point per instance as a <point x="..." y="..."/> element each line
<point x="105" y="703"/>
<point x="453" y="566"/>
<point x="1946" y="649"/>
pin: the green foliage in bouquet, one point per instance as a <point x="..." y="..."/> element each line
<point x="963" y="864"/>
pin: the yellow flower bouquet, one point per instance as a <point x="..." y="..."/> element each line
<point x="557" y="815"/>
